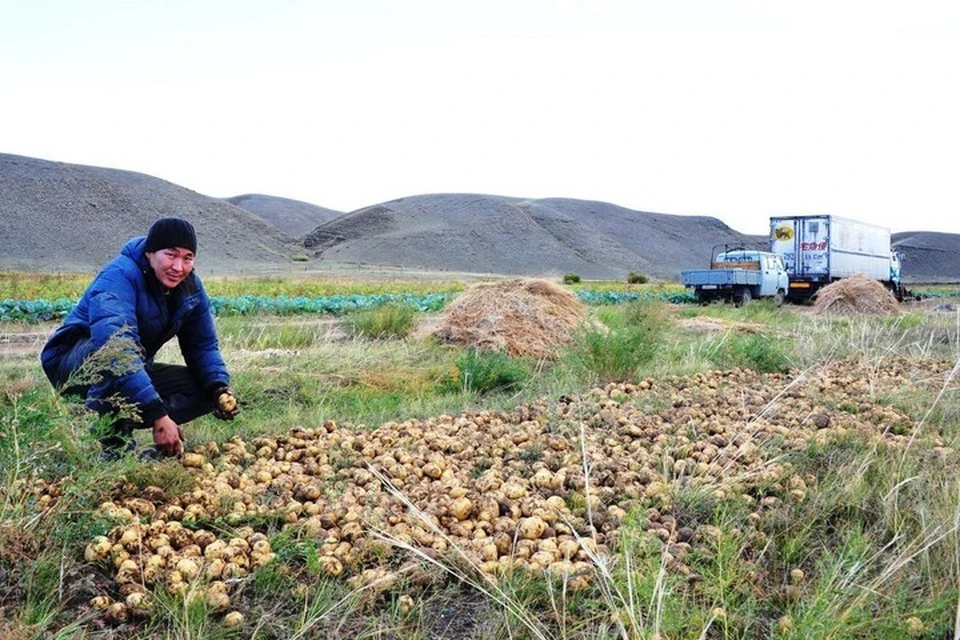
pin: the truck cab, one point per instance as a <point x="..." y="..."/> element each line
<point x="773" y="274"/>
<point x="739" y="275"/>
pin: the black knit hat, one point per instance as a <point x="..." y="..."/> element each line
<point x="171" y="232"/>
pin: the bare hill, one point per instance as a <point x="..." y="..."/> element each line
<point x="69" y="217"/>
<point x="293" y="217"/>
<point x="495" y="234"/>
<point x="929" y="256"/>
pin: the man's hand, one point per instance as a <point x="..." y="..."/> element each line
<point x="168" y="436"/>
<point x="226" y="404"/>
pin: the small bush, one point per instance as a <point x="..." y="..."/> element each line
<point x="570" y="278"/>
<point x="482" y="372"/>
<point x="637" y="278"/>
<point x="300" y="258"/>
<point x="380" y="323"/>
<point x="617" y="352"/>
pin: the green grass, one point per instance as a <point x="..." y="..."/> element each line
<point x="384" y="322"/>
<point x="628" y="339"/>
<point x="30" y="286"/>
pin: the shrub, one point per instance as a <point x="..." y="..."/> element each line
<point x="637" y="278"/>
<point x="570" y="278"/>
<point x="386" y="321"/>
<point x="480" y="372"/>
<point x="617" y="352"/>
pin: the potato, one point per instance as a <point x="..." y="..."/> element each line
<point x="218" y="600"/>
<point x="532" y="528"/>
<point x="193" y="460"/>
<point x="461" y="508"/>
<point x="138" y="603"/>
<point x="233" y="619"/>
<point x="188" y="568"/>
<point x="98" y="550"/>
<point x="227" y="402"/>
<point x="117" y="613"/>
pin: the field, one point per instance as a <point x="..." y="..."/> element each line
<point x="676" y="472"/>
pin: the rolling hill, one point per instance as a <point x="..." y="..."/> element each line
<point x="293" y="217"/>
<point x="67" y="217"/>
<point x="495" y="234"/>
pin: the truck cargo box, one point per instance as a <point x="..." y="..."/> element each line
<point x="714" y="277"/>
<point x="823" y="248"/>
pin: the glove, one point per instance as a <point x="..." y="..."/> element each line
<point x="226" y="406"/>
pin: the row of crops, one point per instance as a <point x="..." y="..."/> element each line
<point x="49" y="310"/>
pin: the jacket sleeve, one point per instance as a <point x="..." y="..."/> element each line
<point x="200" y="347"/>
<point x="113" y="316"/>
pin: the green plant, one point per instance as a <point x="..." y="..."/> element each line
<point x="630" y="339"/>
<point x="387" y="321"/>
<point x="636" y="278"/>
<point x="570" y="278"/>
<point x="481" y="372"/>
<point x="758" y="351"/>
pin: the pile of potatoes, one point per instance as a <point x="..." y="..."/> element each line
<point x="508" y="489"/>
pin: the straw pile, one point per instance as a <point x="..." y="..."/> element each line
<point x="522" y="317"/>
<point x="855" y="295"/>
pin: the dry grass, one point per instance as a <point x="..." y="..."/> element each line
<point x="522" y="317"/>
<point x="856" y="295"/>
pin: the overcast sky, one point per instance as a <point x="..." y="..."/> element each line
<point x="736" y="109"/>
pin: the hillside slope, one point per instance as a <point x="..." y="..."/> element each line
<point x="68" y="217"/>
<point x="929" y="256"/>
<point x="293" y="217"/>
<point x="495" y="234"/>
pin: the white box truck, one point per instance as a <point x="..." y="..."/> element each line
<point x="819" y="249"/>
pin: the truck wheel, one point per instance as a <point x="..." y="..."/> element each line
<point x="743" y="298"/>
<point x="779" y="297"/>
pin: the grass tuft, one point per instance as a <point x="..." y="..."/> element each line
<point x="389" y="321"/>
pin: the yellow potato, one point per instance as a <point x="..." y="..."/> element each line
<point x="233" y="619"/>
<point x="227" y="402"/>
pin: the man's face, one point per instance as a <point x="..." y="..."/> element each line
<point x="171" y="265"/>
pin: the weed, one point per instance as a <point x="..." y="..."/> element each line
<point x="383" y="322"/>
<point x="631" y="339"/>
<point x="168" y="475"/>
<point x="482" y="372"/>
<point x="761" y="352"/>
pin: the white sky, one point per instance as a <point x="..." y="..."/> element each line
<point x="739" y="109"/>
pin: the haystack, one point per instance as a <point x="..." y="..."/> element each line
<point x="856" y="295"/>
<point x="522" y="317"/>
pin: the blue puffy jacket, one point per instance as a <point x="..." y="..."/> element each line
<point x="126" y="299"/>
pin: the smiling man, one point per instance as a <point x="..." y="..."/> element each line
<point x="104" y="351"/>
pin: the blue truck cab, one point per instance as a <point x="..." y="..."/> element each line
<point x="739" y="275"/>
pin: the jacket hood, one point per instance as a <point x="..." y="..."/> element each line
<point x="134" y="250"/>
